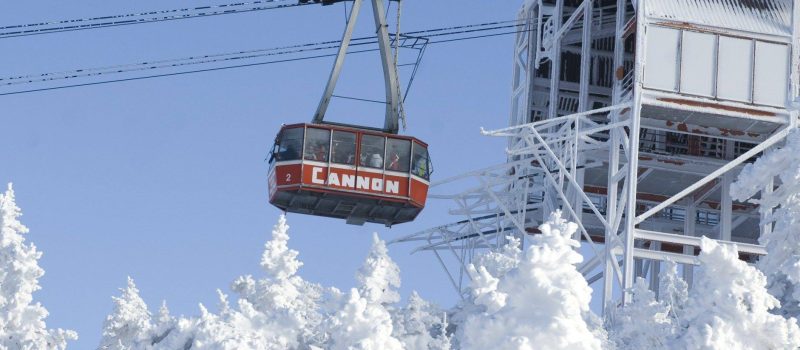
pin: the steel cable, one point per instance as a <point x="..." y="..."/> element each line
<point x="240" y="56"/>
<point x="141" y="18"/>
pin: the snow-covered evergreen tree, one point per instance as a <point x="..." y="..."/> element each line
<point x="129" y="326"/>
<point x="782" y="263"/>
<point x="289" y="303"/>
<point x="498" y="262"/>
<point x="542" y="303"/>
<point x="163" y="325"/>
<point x="379" y="276"/>
<point x="729" y="306"/>
<point x="420" y="325"/>
<point x="644" y="323"/>
<point x="233" y="330"/>
<point x="674" y="292"/>
<point x="22" y="324"/>
<point x="363" y="322"/>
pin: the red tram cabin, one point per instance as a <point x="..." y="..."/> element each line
<point x="348" y="173"/>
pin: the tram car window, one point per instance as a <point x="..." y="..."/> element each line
<point x="398" y="155"/>
<point x="372" y="151"/>
<point x="421" y="165"/>
<point x="317" y="143"/>
<point x="344" y="148"/>
<point x="290" y="144"/>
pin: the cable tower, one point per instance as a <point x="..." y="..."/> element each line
<point x="633" y="118"/>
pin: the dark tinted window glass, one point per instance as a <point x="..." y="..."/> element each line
<point x="421" y="164"/>
<point x="317" y="143"/>
<point x="398" y="155"/>
<point x="290" y="144"/>
<point x="344" y="148"/>
<point x="372" y="151"/>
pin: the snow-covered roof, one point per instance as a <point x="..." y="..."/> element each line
<point x="759" y="16"/>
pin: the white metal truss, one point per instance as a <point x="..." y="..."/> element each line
<point x="591" y="149"/>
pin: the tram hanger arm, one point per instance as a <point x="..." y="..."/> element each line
<point x="329" y="2"/>
<point x="324" y="2"/>
<point x="391" y="121"/>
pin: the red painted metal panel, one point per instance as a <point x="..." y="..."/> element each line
<point x="315" y="174"/>
<point x="419" y="191"/>
<point x="289" y="174"/>
<point x="366" y="183"/>
<point x="395" y="185"/>
<point x="369" y="182"/>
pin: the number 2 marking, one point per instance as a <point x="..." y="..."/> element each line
<point x="288" y="177"/>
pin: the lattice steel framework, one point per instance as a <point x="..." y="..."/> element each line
<point x="639" y="198"/>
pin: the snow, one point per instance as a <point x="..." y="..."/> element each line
<point x="421" y="325"/>
<point x="729" y="306"/>
<point x="773" y="16"/>
<point x="22" y="324"/>
<point x="364" y="323"/>
<point x="128" y="326"/>
<point x="283" y="311"/>
<point x="520" y="299"/>
<point x="379" y="275"/>
<point x="782" y="263"/>
<point x="674" y="290"/>
<point x="542" y="303"/>
<point x="642" y="324"/>
<point x="497" y="263"/>
<point x="285" y="298"/>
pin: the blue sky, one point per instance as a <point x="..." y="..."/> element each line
<point x="164" y="180"/>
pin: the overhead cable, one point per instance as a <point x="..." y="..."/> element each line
<point x="143" y="17"/>
<point x="239" y="56"/>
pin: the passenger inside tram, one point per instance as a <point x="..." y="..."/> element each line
<point x="398" y="155"/>
<point x="421" y="163"/>
<point x="344" y="148"/>
<point x="317" y="143"/>
<point x="372" y="148"/>
<point x="290" y="144"/>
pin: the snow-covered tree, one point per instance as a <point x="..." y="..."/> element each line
<point x="644" y="323"/>
<point x="782" y="263"/>
<point x="246" y="328"/>
<point x="420" y="325"/>
<point x="542" y="303"/>
<point x="289" y="303"/>
<point x="362" y="325"/>
<point x="498" y="262"/>
<point x="279" y="311"/>
<point x="163" y="325"/>
<point x="22" y="324"/>
<point x="129" y="326"/>
<point x="674" y="292"/>
<point x="729" y="306"/>
<point x="379" y="275"/>
<point x="363" y="322"/>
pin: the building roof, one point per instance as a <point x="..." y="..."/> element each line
<point x="760" y="16"/>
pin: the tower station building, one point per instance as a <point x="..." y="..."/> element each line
<point x="633" y="117"/>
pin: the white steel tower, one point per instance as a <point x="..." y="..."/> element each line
<point x="633" y="118"/>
